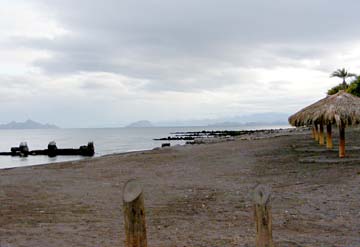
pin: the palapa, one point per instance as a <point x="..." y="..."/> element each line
<point x="342" y="109"/>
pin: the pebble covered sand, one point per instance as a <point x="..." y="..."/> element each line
<point x="195" y="195"/>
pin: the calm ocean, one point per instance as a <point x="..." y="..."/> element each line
<point x="106" y="140"/>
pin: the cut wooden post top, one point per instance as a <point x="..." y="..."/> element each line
<point x="132" y="190"/>
<point x="262" y="195"/>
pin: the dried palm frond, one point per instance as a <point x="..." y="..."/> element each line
<point x="340" y="108"/>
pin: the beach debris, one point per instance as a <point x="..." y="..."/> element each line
<point x="51" y="151"/>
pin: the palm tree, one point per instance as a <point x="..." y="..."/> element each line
<point x="342" y="73"/>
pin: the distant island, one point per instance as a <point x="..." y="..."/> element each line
<point x="29" y="124"/>
<point x="140" y="124"/>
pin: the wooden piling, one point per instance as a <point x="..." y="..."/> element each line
<point x="262" y="212"/>
<point x="321" y="134"/>
<point x="316" y="132"/>
<point x="342" y="141"/>
<point x="313" y="132"/>
<point x="329" y="143"/>
<point x="134" y="215"/>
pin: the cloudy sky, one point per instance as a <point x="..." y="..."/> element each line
<point x="102" y="63"/>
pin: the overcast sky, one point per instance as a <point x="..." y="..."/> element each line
<point x="100" y="63"/>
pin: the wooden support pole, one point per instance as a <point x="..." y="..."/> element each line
<point x="329" y="143"/>
<point x="262" y="212"/>
<point x="342" y="141"/>
<point x="321" y="134"/>
<point x="316" y="132"/>
<point x="313" y="132"/>
<point x="134" y="215"/>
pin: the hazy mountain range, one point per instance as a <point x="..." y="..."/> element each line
<point x="29" y="124"/>
<point x="244" y="120"/>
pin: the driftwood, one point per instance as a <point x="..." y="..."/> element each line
<point x="134" y="215"/>
<point x="51" y="151"/>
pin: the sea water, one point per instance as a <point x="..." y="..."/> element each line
<point x="106" y="141"/>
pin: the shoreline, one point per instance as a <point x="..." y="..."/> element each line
<point x="258" y="134"/>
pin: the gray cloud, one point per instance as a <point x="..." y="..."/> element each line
<point x="135" y="59"/>
<point x="172" y="43"/>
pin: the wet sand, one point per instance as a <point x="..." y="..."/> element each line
<point x="195" y="195"/>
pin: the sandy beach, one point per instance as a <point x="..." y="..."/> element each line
<point x="195" y="195"/>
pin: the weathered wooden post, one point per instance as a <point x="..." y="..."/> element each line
<point x="329" y="143"/>
<point x="321" y="134"/>
<point x="134" y="215"/>
<point x="262" y="212"/>
<point x="313" y="132"/>
<point x="316" y="132"/>
<point x="342" y="140"/>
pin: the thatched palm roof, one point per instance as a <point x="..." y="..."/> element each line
<point x="341" y="108"/>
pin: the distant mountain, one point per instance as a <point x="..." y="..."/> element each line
<point x="140" y="124"/>
<point x="242" y="120"/>
<point x="29" y="124"/>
